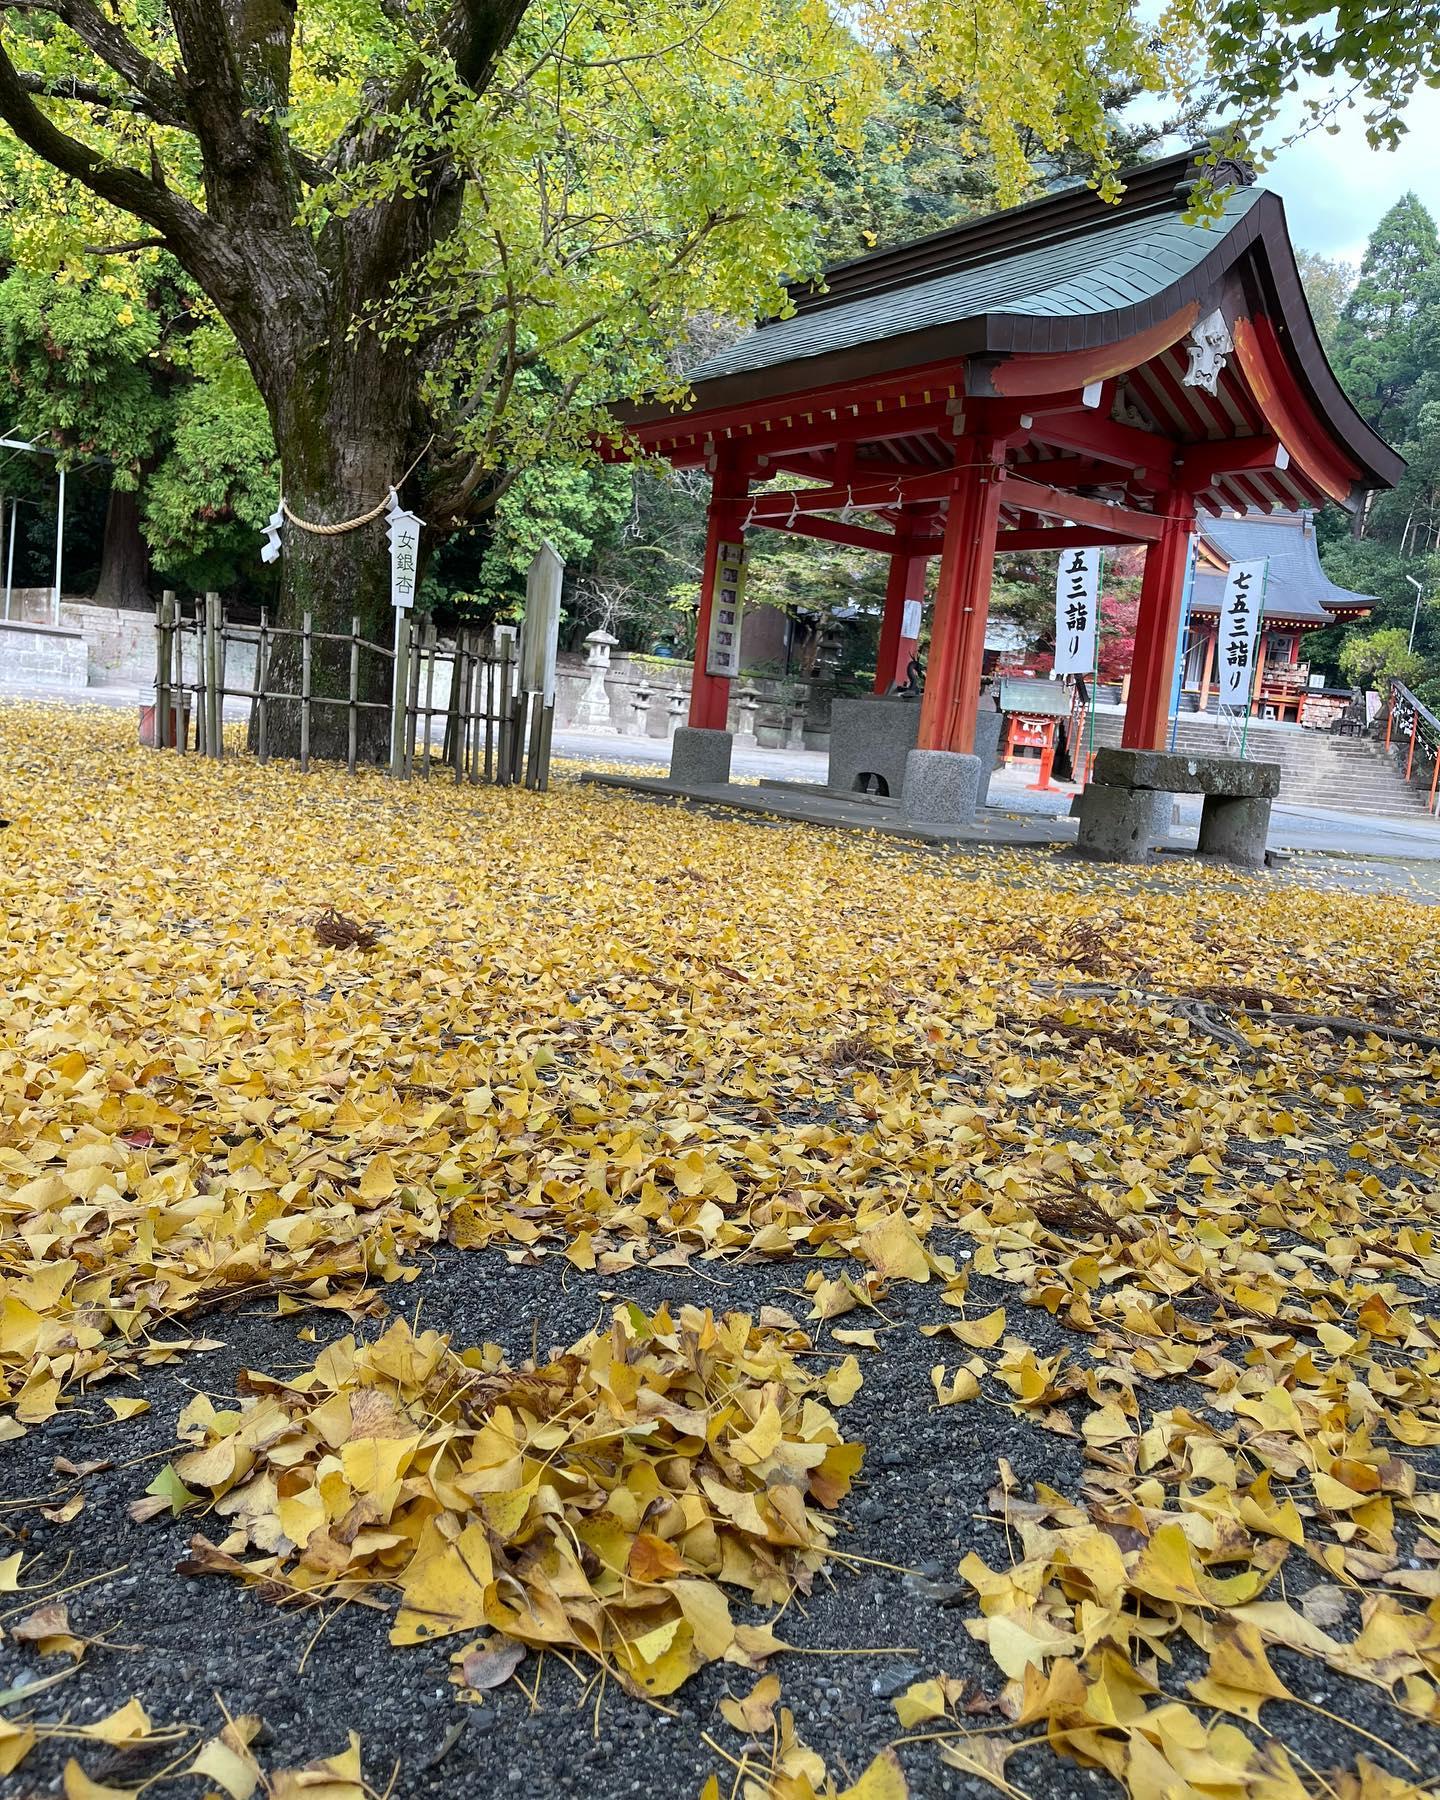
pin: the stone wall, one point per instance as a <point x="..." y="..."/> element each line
<point x="39" y="656"/>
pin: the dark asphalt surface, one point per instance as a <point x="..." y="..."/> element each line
<point x="177" y="1643"/>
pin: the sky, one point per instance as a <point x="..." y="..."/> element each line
<point x="1335" y="189"/>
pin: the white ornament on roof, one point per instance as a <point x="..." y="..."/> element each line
<point x="1208" y="345"/>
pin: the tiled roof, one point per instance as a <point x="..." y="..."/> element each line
<point x="1297" y="589"/>
<point x="1097" y="270"/>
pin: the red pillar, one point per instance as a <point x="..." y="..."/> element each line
<point x="962" y="598"/>
<point x="906" y="582"/>
<point x="710" y="694"/>
<point x="1147" y="711"/>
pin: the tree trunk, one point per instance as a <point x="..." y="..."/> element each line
<point x="346" y="431"/>
<point x="124" y="578"/>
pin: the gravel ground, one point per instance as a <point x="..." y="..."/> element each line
<point x="177" y="1643"/>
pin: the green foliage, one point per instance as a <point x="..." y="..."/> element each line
<point x="1372" y="658"/>
<point x="1379" y="349"/>
<point x="207" y="500"/>
<point x="1264" y="52"/>
<point x="87" y="369"/>
<point x="1328" y="281"/>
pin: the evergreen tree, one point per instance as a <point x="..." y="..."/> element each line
<point x="1379" y="343"/>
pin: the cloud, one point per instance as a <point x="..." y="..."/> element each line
<point x="1335" y="188"/>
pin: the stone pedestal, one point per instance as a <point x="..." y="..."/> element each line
<point x="989" y="729"/>
<point x="1117" y="824"/>
<point x="675" y="706"/>
<point x="1234" y="831"/>
<point x="700" y="757"/>
<point x="869" y="742"/>
<point x="939" y="787"/>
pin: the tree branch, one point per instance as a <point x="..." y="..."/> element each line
<point x="182" y="225"/>
<point x="114" y="49"/>
<point x="128" y="248"/>
<point x="67" y="87"/>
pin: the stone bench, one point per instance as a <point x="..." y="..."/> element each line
<point x="1124" y="808"/>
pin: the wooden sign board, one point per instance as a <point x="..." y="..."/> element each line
<point x="722" y="652"/>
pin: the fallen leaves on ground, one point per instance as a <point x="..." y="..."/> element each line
<point x="592" y="1029"/>
<point x="591" y="1504"/>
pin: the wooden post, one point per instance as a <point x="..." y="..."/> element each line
<point x="262" y="675"/>
<point x="710" y="694"/>
<point x="488" y="680"/>
<point x="906" y="582"/>
<point x="547" y="731"/>
<point x="163" y="733"/>
<point x="1208" y="669"/>
<point x="399" y="688"/>
<point x="202" y="689"/>
<point x="214" y="728"/>
<point x="177" y="650"/>
<point x="537" y="734"/>
<point x="1389" y="714"/>
<point x="502" y="728"/>
<point x="1414" y="729"/>
<point x="353" y="711"/>
<point x="962" y="598"/>
<point x="305" y="694"/>
<point x="459" y="675"/>
<point x="412" y="690"/>
<point x="257" y="689"/>
<point x="1147" y="709"/>
<point x="429" y="688"/>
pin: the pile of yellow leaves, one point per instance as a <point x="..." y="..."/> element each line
<point x="601" y="1031"/>
<point x="588" y="1505"/>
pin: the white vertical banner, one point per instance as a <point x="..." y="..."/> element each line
<point x="727" y="604"/>
<point x="1077" y="607"/>
<point x="1240" y="612"/>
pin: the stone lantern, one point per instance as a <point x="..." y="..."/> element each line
<point x="594" y="708"/>
<point x="747" y="710"/>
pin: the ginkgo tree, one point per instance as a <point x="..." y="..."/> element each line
<point x="444" y="234"/>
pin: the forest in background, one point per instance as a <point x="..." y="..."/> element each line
<point x="173" y="472"/>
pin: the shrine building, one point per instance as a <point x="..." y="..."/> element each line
<point x="1062" y="374"/>
<point x="1300" y="598"/>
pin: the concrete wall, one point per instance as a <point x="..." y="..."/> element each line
<point x="38" y="656"/>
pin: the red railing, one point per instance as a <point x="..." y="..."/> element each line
<point x="1413" y="731"/>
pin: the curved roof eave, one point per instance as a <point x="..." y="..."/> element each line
<point x="1258" y="228"/>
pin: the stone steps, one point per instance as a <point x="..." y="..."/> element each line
<point x="1346" y="774"/>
